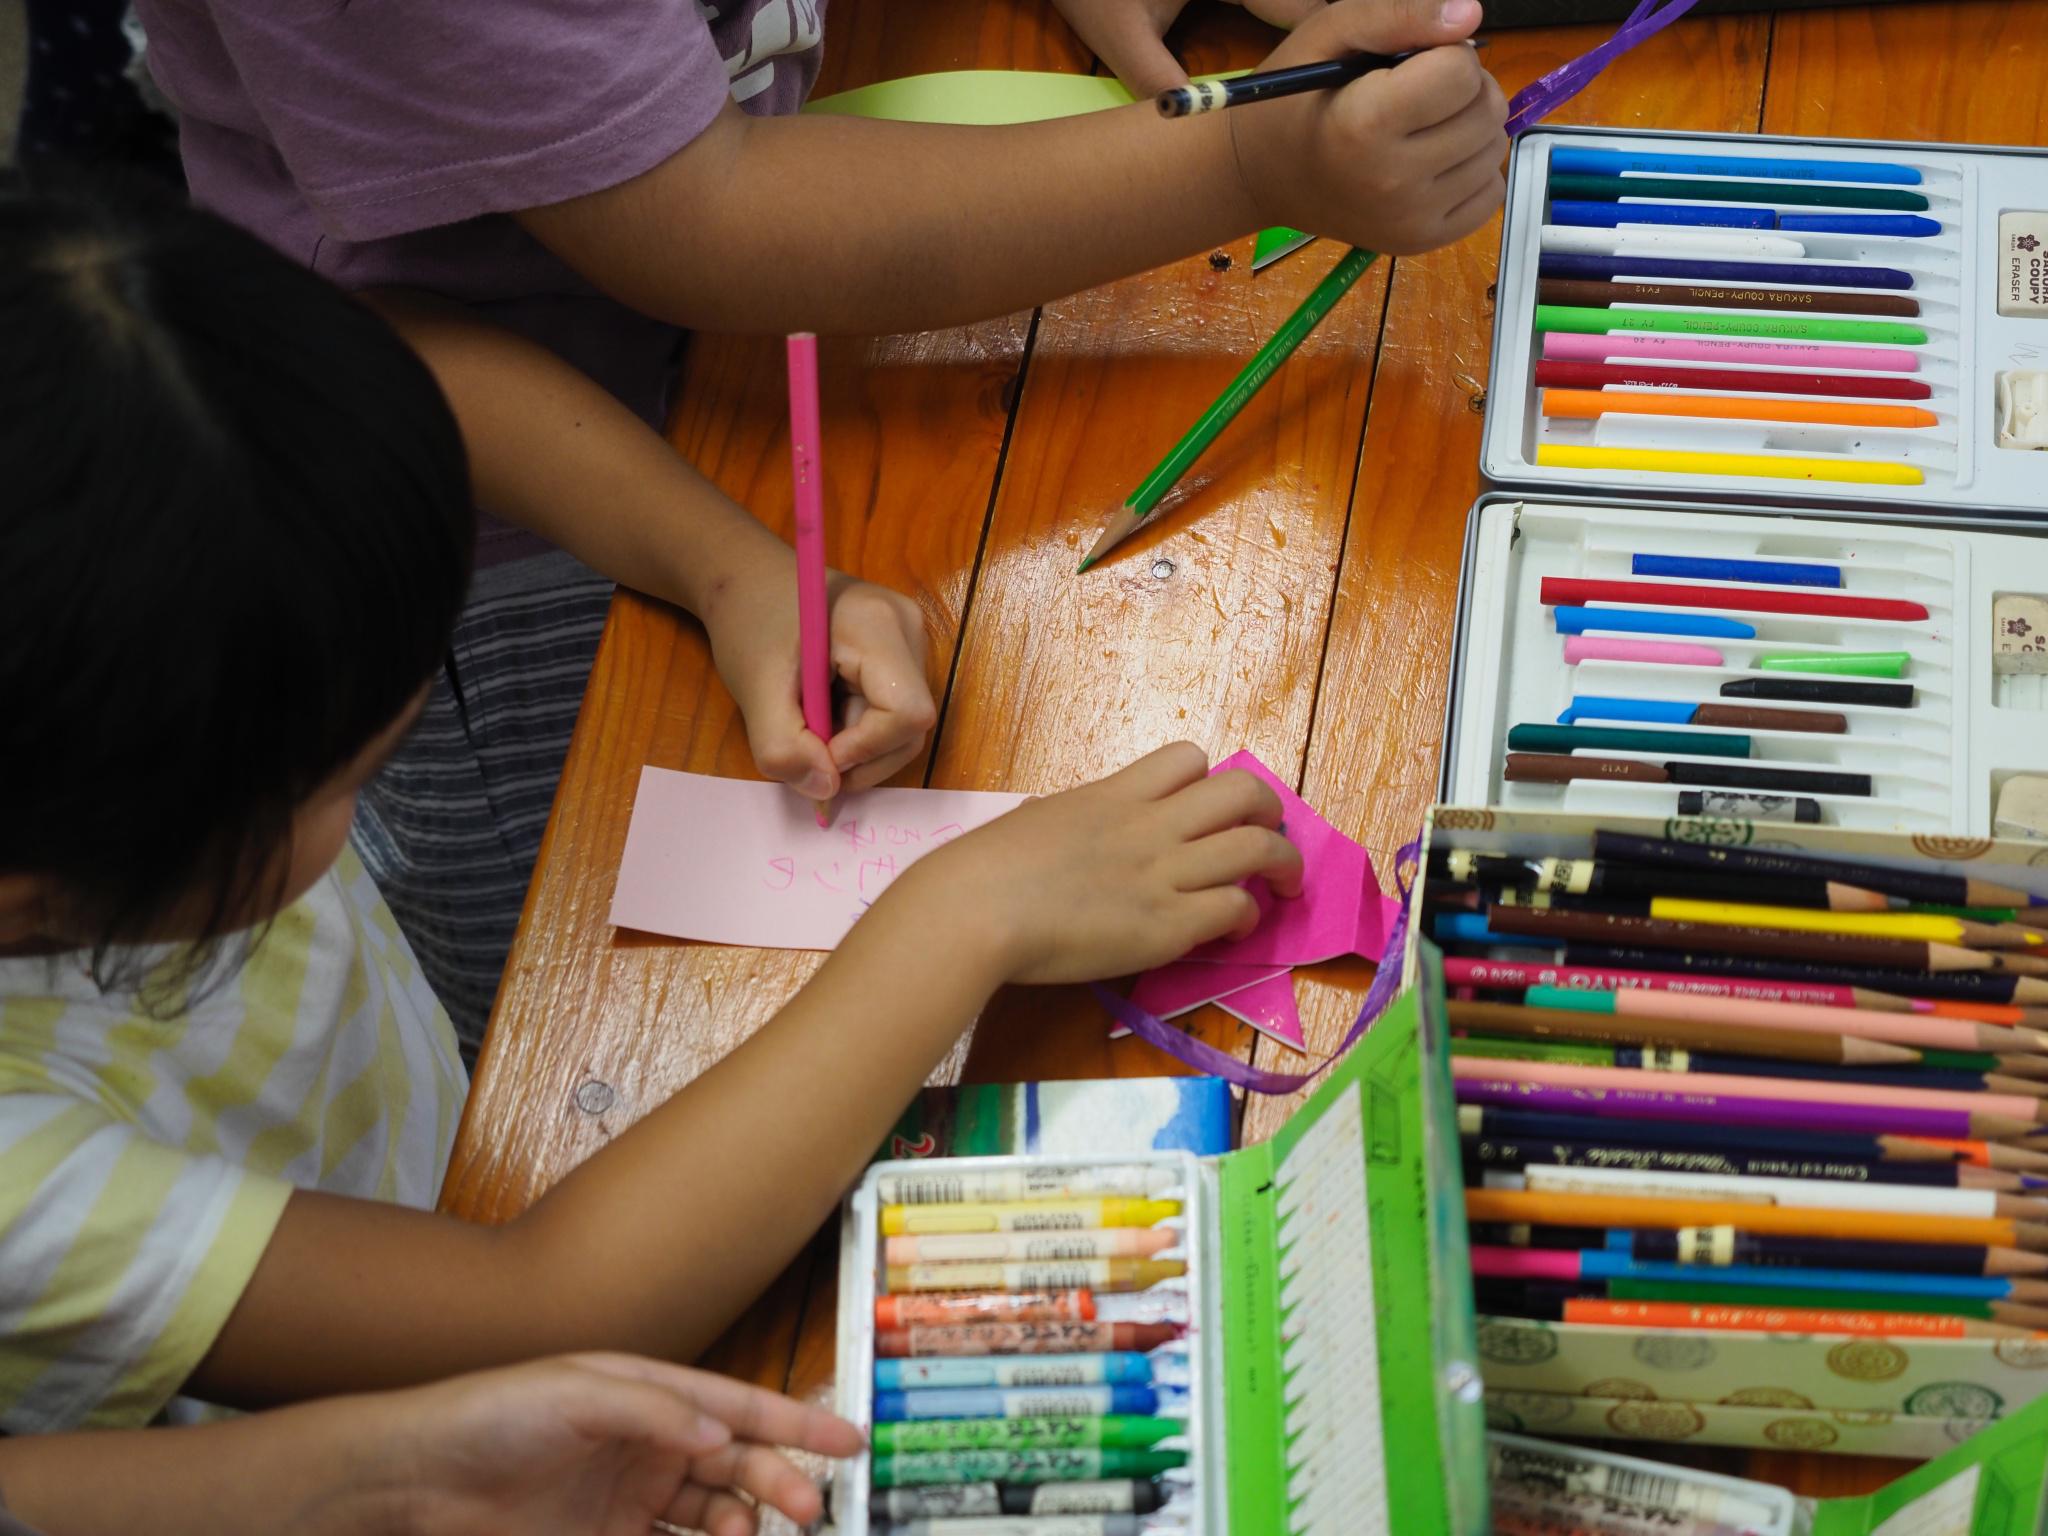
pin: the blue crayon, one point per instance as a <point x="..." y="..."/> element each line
<point x="1718" y="216"/>
<point x="1785" y="573"/>
<point x="1013" y="1371"/>
<point x="1470" y="928"/>
<point x="1604" y="1264"/>
<point x="1608" y="269"/>
<point x="1577" y="621"/>
<point x="1590" y="706"/>
<point x="1616" y="162"/>
<point x="1019" y="1403"/>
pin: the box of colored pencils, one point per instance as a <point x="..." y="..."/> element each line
<point x="1817" y="321"/>
<point x="1754" y="1124"/>
<point x="1752" y="664"/>
<point x="1274" y="1342"/>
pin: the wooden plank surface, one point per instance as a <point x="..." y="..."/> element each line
<point x="1272" y="607"/>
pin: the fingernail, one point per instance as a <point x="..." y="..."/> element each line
<point x="816" y="786"/>
<point x="1459" y="13"/>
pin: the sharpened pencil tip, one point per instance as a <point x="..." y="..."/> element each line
<point x="1086" y="561"/>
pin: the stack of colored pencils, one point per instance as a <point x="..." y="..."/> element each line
<point x="1709" y="1087"/>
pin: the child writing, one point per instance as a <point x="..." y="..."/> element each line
<point x="594" y="177"/>
<point x="587" y="1445"/>
<point x="236" y="543"/>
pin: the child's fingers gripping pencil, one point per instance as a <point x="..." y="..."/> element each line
<point x="814" y="624"/>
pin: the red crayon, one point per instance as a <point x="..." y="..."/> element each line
<point x="1024" y="1339"/>
<point x="938" y="1309"/>
<point x="1572" y="590"/>
<point x="1562" y="375"/>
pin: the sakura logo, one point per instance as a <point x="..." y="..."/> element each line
<point x="2018" y="627"/>
<point x="2027" y="242"/>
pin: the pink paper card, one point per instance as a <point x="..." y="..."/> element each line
<point x="738" y="861"/>
<point x="1269" y="1007"/>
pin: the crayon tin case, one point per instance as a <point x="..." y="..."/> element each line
<point x="1232" y="1374"/>
<point x="1837" y="321"/>
<point x="1721" y="691"/>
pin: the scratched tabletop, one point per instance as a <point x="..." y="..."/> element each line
<point x="1294" y="597"/>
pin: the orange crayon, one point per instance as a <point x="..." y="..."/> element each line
<point x="1586" y="404"/>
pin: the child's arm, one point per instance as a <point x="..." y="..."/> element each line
<point x="836" y="224"/>
<point x="585" y="1446"/>
<point x="659" y="1241"/>
<point x="551" y="451"/>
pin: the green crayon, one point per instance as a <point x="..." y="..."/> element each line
<point x="1597" y="322"/>
<point x="1570" y="738"/>
<point x="1114" y="1431"/>
<point x="1845" y="664"/>
<point x="1020" y="1466"/>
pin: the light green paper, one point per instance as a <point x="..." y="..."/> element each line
<point x="2012" y="1484"/>
<point x="993" y="98"/>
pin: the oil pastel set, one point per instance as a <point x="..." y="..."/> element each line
<point x="1276" y="1340"/>
<point x="1631" y="660"/>
<point x="1861" y="324"/>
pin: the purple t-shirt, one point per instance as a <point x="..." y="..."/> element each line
<point x="387" y="141"/>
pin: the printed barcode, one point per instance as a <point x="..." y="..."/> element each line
<point x="1641" y="1487"/>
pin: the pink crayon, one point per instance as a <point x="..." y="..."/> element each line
<point x="1707" y="349"/>
<point x="1578" y="648"/>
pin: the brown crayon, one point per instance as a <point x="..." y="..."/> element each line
<point x="1061" y="1338"/>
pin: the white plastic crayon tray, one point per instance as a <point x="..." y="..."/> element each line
<point x="1934" y="767"/>
<point x="1202" y="1506"/>
<point x="1953" y="279"/>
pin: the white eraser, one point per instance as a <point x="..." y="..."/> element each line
<point x="2022" y="808"/>
<point x="2019" y="633"/>
<point x="2023" y="264"/>
<point x="2021" y="409"/>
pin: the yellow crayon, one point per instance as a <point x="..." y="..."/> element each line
<point x="1025" y="1216"/>
<point x="1671" y="462"/>
<point x="1099" y="1275"/>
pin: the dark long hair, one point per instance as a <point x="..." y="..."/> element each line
<point x="235" y="531"/>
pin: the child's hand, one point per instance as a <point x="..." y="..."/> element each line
<point x="1127" y="35"/>
<point x="1399" y="161"/>
<point x="594" y="1445"/>
<point x="878" y="654"/>
<point x="1117" y="876"/>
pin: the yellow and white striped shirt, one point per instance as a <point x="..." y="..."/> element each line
<point x="144" y="1162"/>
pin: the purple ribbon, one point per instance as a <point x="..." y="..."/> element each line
<point x="1537" y="100"/>
<point x="1184" y="1047"/>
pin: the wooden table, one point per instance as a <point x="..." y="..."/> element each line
<point x="1296" y="596"/>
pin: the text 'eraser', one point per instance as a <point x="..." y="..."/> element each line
<point x="2023" y="264"/>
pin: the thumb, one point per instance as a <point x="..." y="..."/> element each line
<point x="1345" y="27"/>
<point x="1126" y="41"/>
<point x="784" y="750"/>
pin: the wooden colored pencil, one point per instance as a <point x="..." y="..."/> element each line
<point x="2025" y="1110"/>
<point x="1793" y="1140"/>
<point x="1619" y="1027"/>
<point x="1691" y="1315"/>
<point x="1814" y="1194"/>
<point x="1505" y="975"/>
<point x="2014" y="1313"/>
<point x="1612" y="1151"/>
<point x="1984" y="1013"/>
<point x="1882" y="925"/>
<point x="1549" y="1267"/>
<point x="1927" y="1031"/>
<point x="1969" y="986"/>
<point x="1770" y="943"/>
<point x="1598" y="877"/>
<point x="1724" y="1247"/>
<point x="1688" y="1064"/>
<point x="1145" y="499"/>
<point x="1493" y="1084"/>
<point x="1542" y="1209"/>
<point x="813" y="607"/>
<point x="1918" y="885"/>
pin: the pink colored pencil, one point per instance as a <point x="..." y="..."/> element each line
<point x="813" y="616"/>
<point x="1727" y="1110"/>
<point x="1929" y="1030"/>
<point x="1566" y="1074"/>
<point x="1580" y="648"/>
<point x="1463" y="971"/>
<point x="1570" y="347"/>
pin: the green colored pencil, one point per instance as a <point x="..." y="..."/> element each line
<point x="1139" y="505"/>
<point x="1598" y="322"/>
<point x="1790" y="1296"/>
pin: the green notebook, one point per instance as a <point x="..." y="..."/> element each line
<point x="1331" y="1347"/>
